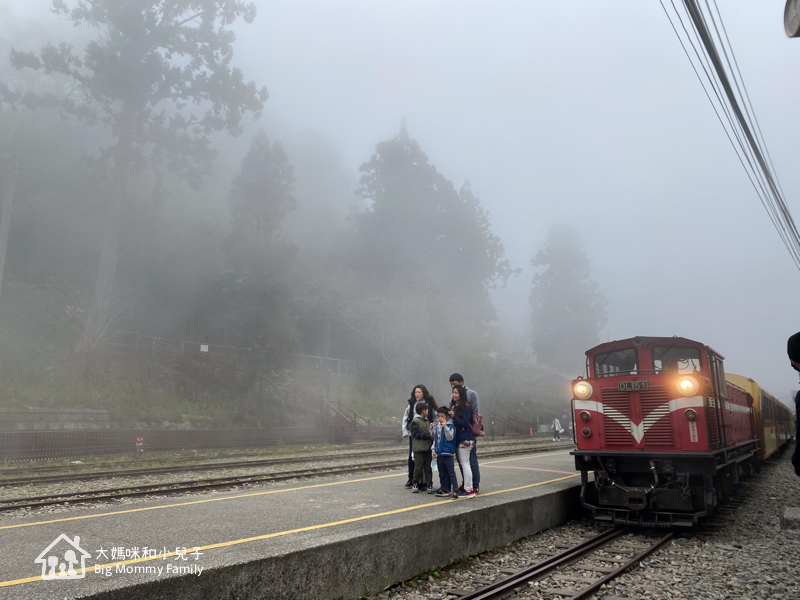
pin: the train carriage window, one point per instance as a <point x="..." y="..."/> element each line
<point x="766" y="408"/>
<point x="617" y="362"/>
<point x="674" y="359"/>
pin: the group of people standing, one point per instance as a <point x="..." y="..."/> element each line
<point x="446" y="434"/>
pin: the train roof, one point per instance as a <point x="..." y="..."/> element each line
<point x="640" y="341"/>
<point x="742" y="380"/>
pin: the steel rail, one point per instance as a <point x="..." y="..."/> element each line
<point x="164" y="457"/>
<point x="184" y="486"/>
<point x="592" y="588"/>
<point x="507" y="587"/>
<point x="233" y="465"/>
<point x="170" y="469"/>
<point x="68" y="469"/>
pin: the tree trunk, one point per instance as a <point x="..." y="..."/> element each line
<point x="5" y="214"/>
<point x="97" y="324"/>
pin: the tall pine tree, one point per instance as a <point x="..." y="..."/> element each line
<point x="159" y="76"/>
<point x="249" y="304"/>
<point x="568" y="310"/>
<point x="420" y="231"/>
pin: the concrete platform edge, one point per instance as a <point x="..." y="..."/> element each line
<point x="368" y="563"/>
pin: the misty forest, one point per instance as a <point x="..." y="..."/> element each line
<point x="166" y="257"/>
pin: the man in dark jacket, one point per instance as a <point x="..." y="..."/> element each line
<point x="793" y="349"/>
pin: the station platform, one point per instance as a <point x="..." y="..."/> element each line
<point x="332" y="537"/>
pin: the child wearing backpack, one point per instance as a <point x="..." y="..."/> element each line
<point x="444" y="438"/>
<point x="421" y="442"/>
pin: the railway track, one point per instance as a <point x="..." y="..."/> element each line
<point x="170" y="469"/>
<point x="207" y="483"/>
<point x="89" y="476"/>
<point x="603" y="552"/>
<point x="160" y="458"/>
<point x="23" y="467"/>
<point x="160" y="489"/>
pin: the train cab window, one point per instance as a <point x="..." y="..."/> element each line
<point x="717" y="375"/>
<point x="674" y="359"/>
<point x="617" y="362"/>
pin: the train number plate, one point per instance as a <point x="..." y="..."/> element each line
<point x="632" y="386"/>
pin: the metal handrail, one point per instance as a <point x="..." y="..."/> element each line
<point x="506" y="416"/>
<point x="335" y="410"/>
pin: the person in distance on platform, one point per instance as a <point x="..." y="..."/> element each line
<point x="556" y="427"/>
<point x="444" y="445"/>
<point x="421" y="442"/>
<point x="793" y="349"/>
<point x="457" y="379"/>
<point x="461" y="412"/>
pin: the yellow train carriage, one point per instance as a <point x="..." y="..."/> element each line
<point x="773" y="419"/>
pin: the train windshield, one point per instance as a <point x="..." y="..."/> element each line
<point x="618" y="362"/>
<point x="674" y="359"/>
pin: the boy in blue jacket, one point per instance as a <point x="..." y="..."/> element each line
<point x="444" y="442"/>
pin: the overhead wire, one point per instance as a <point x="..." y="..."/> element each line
<point x="749" y="152"/>
<point x="750" y="146"/>
<point x="716" y="85"/>
<point x="738" y="127"/>
<point x="746" y="94"/>
<point x="764" y="199"/>
<point x="786" y="222"/>
<point x="749" y="114"/>
<point x="759" y="183"/>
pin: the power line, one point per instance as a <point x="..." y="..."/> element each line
<point x="786" y="221"/>
<point x="749" y="112"/>
<point x="746" y="94"/>
<point x="742" y="125"/>
<point x="759" y="182"/>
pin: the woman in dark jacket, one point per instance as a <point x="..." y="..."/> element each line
<point x="427" y="399"/>
<point x="461" y="412"/>
<point x="418" y="394"/>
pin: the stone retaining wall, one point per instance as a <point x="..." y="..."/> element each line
<point x="42" y="419"/>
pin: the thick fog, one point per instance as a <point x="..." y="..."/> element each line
<point x="588" y="114"/>
<point x="555" y="112"/>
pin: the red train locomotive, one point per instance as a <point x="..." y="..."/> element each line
<point x="663" y="432"/>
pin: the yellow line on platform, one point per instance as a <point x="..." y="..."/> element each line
<point x="290" y="531"/>
<point x="251" y="495"/>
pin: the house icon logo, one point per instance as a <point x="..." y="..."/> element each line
<point x="60" y="559"/>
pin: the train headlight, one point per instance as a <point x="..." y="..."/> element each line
<point x="585" y="416"/>
<point x="583" y="389"/>
<point x="688" y="386"/>
<point x="690" y="413"/>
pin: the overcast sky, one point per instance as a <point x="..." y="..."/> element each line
<point x="581" y="112"/>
